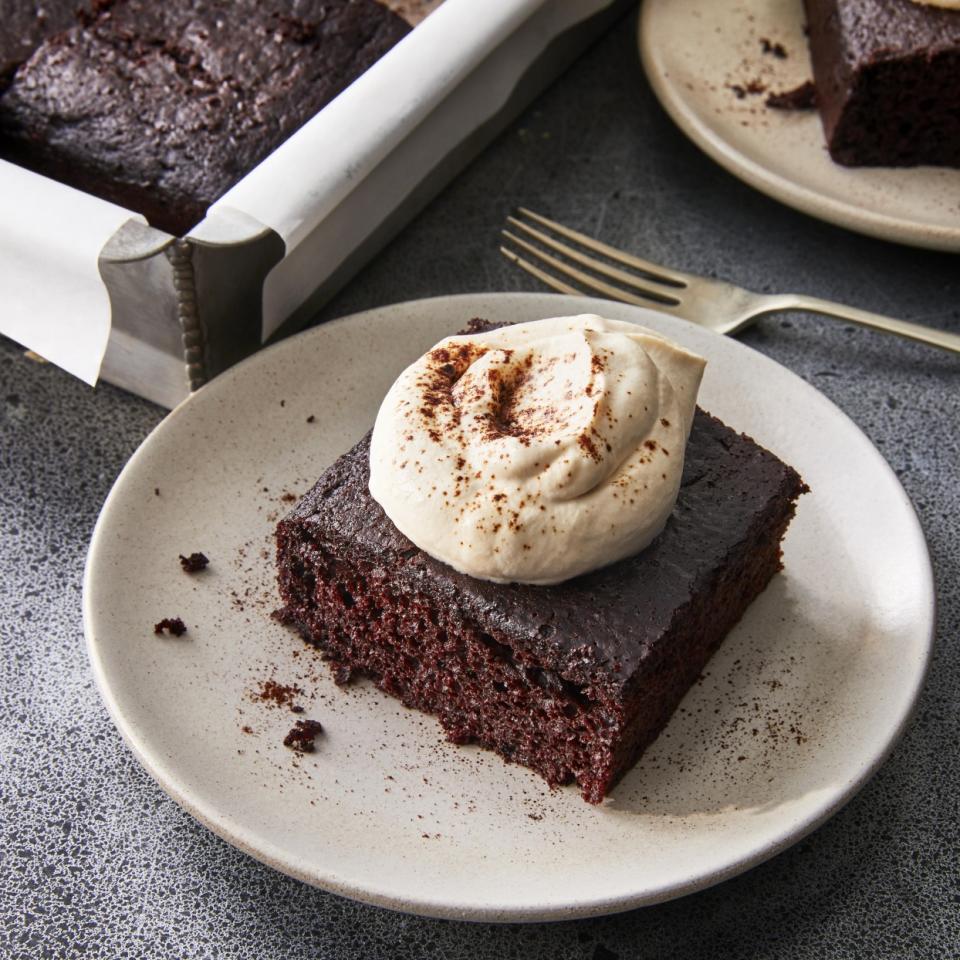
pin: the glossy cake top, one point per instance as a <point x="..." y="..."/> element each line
<point x="599" y="627"/>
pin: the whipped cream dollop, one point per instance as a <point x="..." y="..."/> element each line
<point x="538" y="451"/>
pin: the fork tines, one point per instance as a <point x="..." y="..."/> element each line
<point x="648" y="281"/>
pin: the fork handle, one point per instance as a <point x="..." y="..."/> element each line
<point x="876" y="321"/>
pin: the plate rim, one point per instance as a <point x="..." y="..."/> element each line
<point x="267" y="852"/>
<point x="811" y="202"/>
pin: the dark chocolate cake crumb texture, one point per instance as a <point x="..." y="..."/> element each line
<point x="301" y="738"/>
<point x="172" y="625"/>
<point x="27" y="24"/>
<point x="803" y="97"/>
<point x="194" y="563"/>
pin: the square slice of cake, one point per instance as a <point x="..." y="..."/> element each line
<point x="573" y="680"/>
<point x="887" y="74"/>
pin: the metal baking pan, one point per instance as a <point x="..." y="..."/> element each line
<point x="98" y="291"/>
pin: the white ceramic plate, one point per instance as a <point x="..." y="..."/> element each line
<point x="799" y="707"/>
<point x="694" y="54"/>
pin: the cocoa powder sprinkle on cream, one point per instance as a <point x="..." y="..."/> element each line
<point x="527" y="432"/>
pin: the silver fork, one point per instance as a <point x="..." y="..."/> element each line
<point x="711" y="303"/>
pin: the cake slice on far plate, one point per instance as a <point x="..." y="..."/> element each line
<point x="887" y="74"/>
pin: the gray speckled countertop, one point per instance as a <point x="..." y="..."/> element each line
<point x="98" y="862"/>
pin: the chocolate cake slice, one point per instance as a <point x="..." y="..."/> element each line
<point x="887" y="74"/>
<point x="574" y="680"/>
<point x="162" y="107"/>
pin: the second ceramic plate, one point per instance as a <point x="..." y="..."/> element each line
<point x="706" y="63"/>
<point x="799" y="707"/>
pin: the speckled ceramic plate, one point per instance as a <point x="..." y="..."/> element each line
<point x="799" y="707"/>
<point x="699" y="56"/>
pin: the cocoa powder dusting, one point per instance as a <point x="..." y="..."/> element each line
<point x="447" y="365"/>
<point x="279" y="694"/>
<point x="585" y="442"/>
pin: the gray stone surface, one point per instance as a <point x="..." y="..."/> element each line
<point x="98" y="862"/>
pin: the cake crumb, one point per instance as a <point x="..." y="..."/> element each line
<point x="194" y="563"/>
<point x="172" y="625"/>
<point x="311" y="418"/>
<point x="751" y="87"/>
<point x="803" y="97"/>
<point x="342" y="674"/>
<point x="301" y="737"/>
<point x="776" y="49"/>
